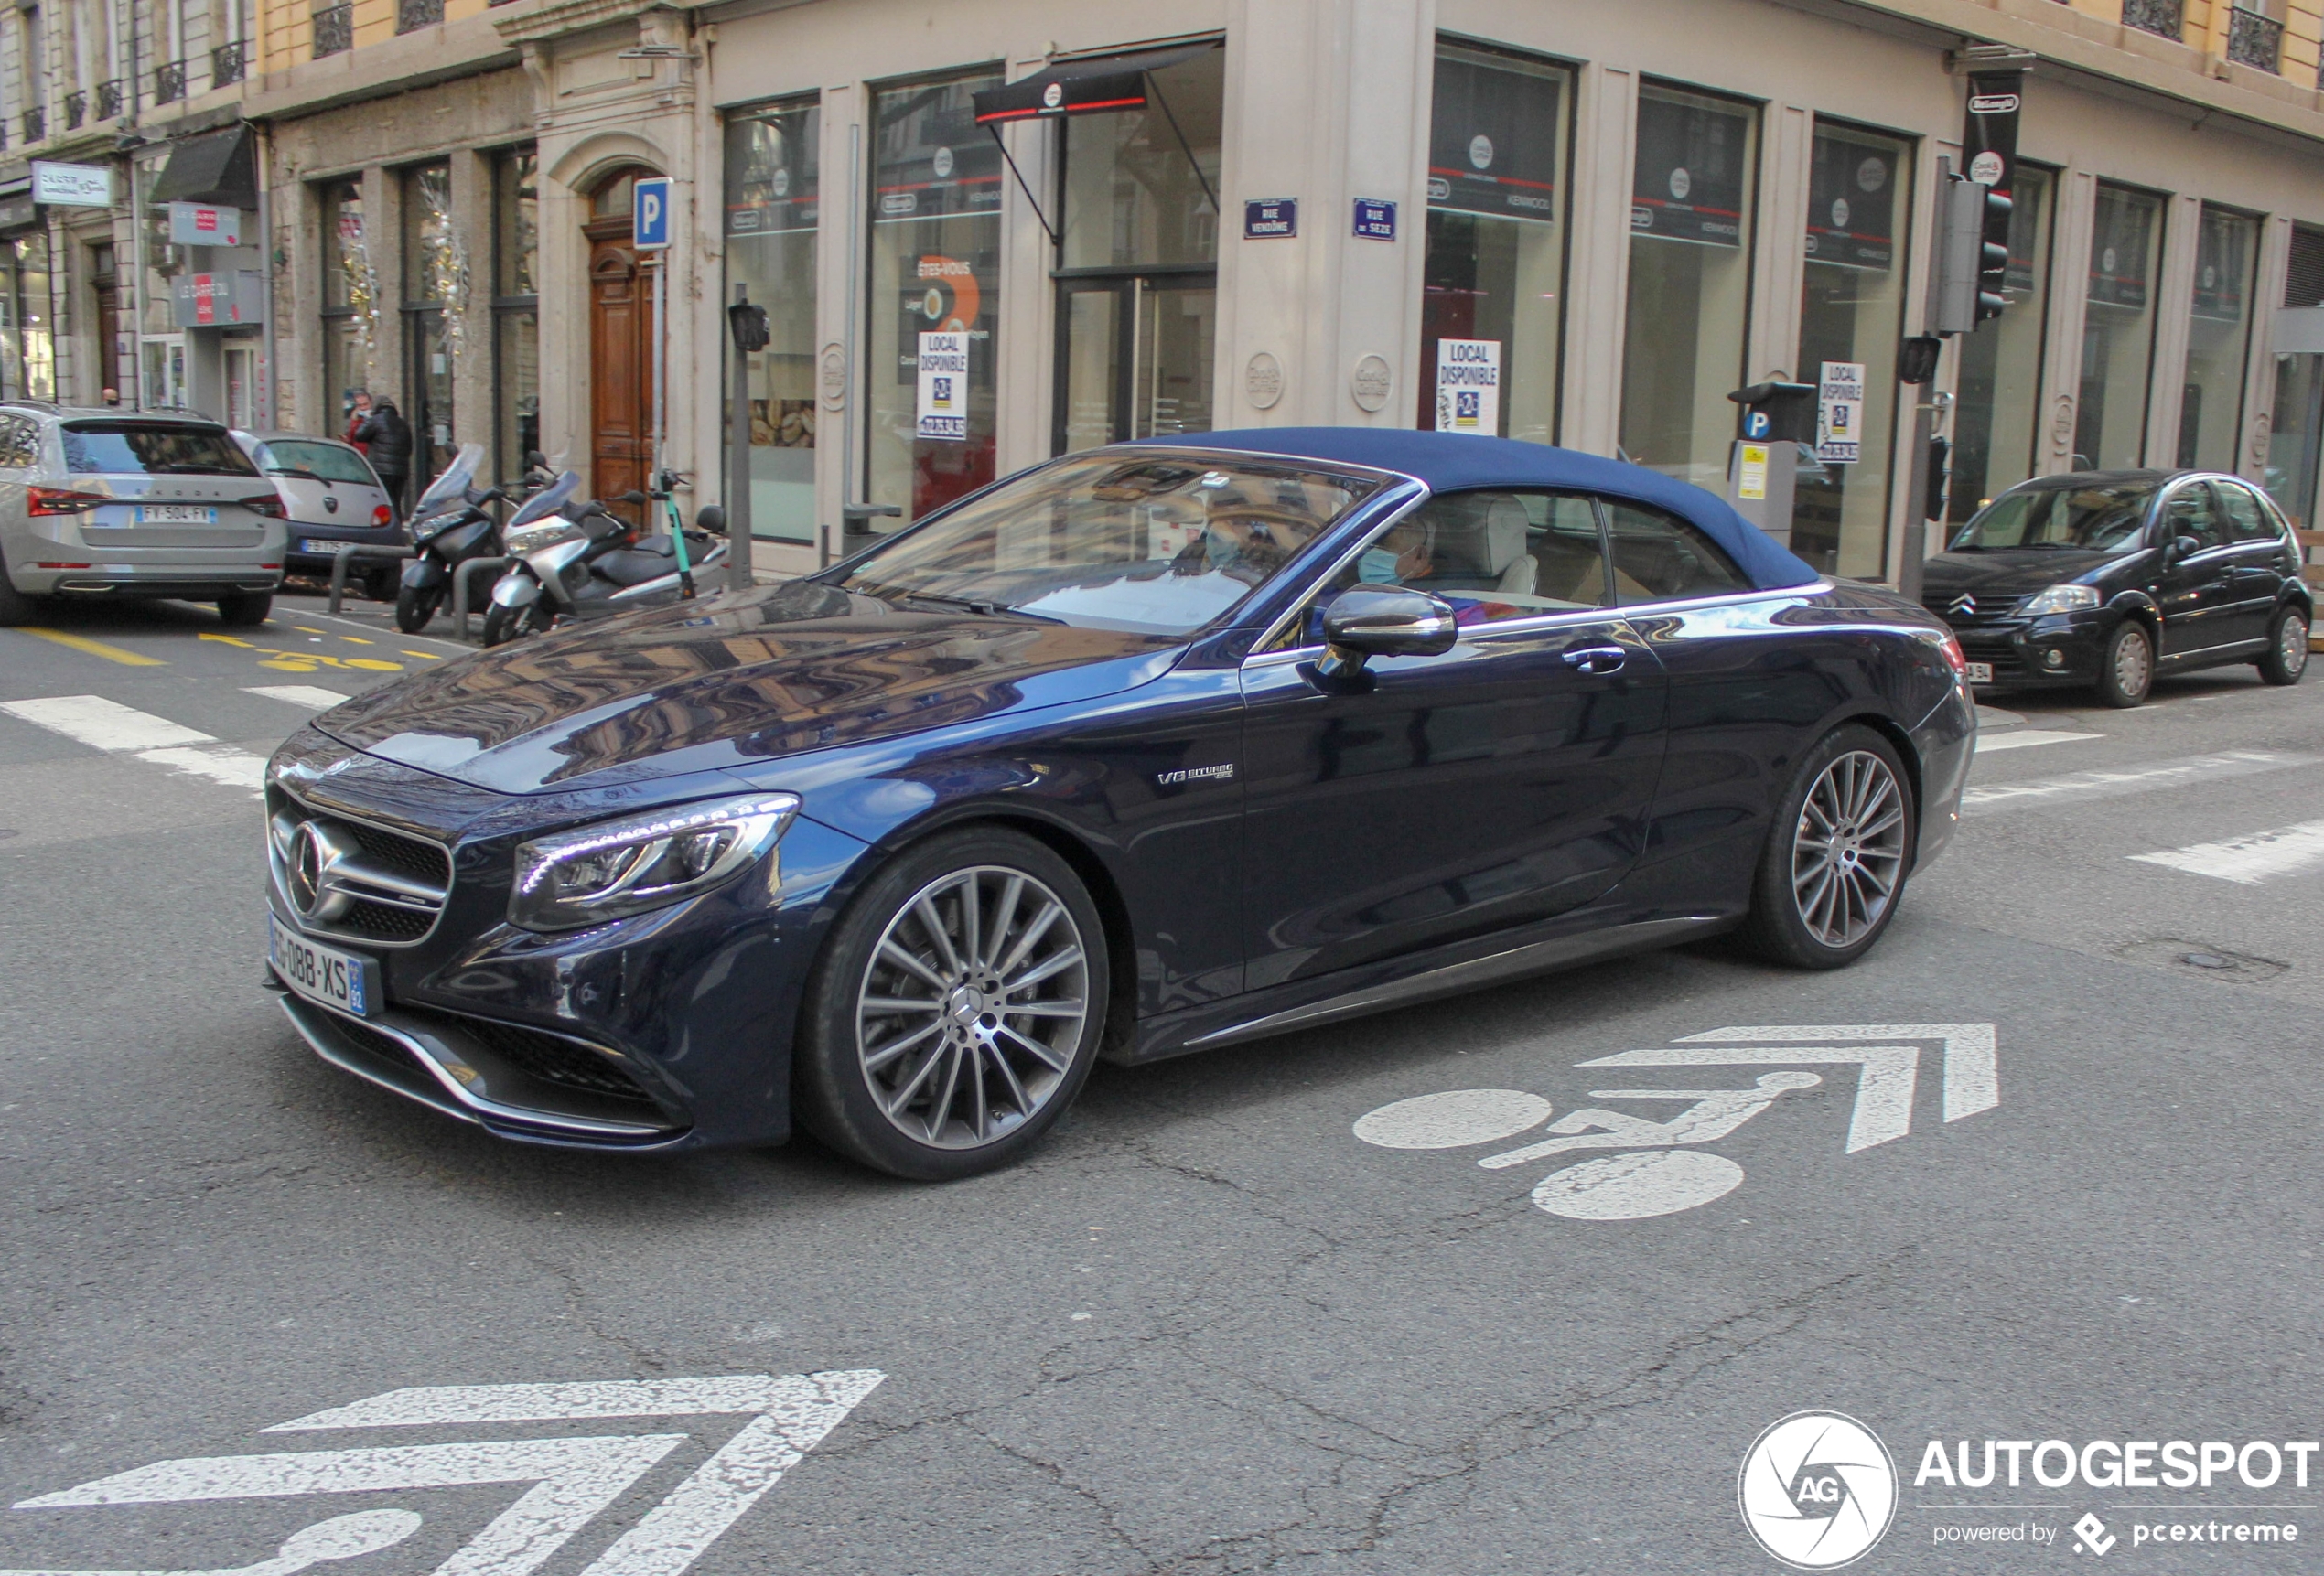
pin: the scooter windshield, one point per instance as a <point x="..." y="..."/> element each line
<point x="548" y="500"/>
<point x="452" y="486"/>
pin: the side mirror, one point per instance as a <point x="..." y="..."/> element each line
<point x="2182" y="547"/>
<point x="535" y="460"/>
<point x="632" y="496"/>
<point x="711" y="520"/>
<point x="1361" y="623"/>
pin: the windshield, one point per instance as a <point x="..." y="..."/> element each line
<point x="453" y="483"/>
<point x="323" y="462"/>
<point x="2090" y="519"/>
<point x="548" y="500"/>
<point x="1151" y="542"/>
<point x="156" y="448"/>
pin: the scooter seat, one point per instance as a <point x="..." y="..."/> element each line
<point x="635" y="565"/>
<point x="659" y="545"/>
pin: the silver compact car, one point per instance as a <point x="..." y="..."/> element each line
<point x="104" y="504"/>
<point x="335" y="500"/>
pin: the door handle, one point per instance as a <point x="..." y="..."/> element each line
<point x="1598" y="659"/>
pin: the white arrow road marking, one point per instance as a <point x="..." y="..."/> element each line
<point x="573" y="1480"/>
<point x="340" y="1538"/>
<point x="595" y="1398"/>
<point x="1883" y="1090"/>
<point x="1714" y="1115"/>
<point x="1971" y="1061"/>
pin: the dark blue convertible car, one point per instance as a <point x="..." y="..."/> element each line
<point x="1149" y="749"/>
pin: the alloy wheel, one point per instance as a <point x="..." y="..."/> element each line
<point x="1847" y="851"/>
<point x="2291" y="638"/>
<point x="972" y="1007"/>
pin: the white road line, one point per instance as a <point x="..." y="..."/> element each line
<point x="116" y="729"/>
<point x="2112" y="782"/>
<point x="2024" y="737"/>
<point x="311" y="695"/>
<point x="2248" y="860"/>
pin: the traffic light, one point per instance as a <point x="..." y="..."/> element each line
<point x="1993" y="252"/>
<point x="1973" y="255"/>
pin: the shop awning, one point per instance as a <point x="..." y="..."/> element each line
<point x="219" y="168"/>
<point x="1091" y="85"/>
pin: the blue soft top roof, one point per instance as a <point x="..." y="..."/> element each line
<point x="1451" y="462"/>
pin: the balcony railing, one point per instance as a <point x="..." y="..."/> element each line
<point x="35" y="124"/>
<point x="2155" y="16"/>
<point x="108" y="100"/>
<point x="411" y="16"/>
<point x="227" y="65"/>
<point x="2254" y="40"/>
<point x="169" y="81"/>
<point x="334" y="30"/>
<point x="76" y="111"/>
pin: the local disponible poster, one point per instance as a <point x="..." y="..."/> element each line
<point x="1839" y="438"/>
<point x="1468" y="386"/>
<point x="944" y="388"/>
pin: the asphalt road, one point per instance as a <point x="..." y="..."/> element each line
<point x="1209" y="1327"/>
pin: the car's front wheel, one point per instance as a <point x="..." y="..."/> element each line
<point x="2127" y="669"/>
<point x="1834" y="866"/>
<point x="2287" y="657"/>
<point x="956" y="1010"/>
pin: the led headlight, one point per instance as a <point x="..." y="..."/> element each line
<point x="2060" y="599"/>
<point x="616" y="868"/>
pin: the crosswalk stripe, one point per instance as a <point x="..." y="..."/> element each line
<point x="2261" y="856"/>
<point x="116" y="729"/>
<point x="2111" y="782"/>
<point x="2025" y="737"/>
<point x="82" y="643"/>
<point x="313" y="695"/>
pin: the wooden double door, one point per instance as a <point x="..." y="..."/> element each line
<point x="621" y="362"/>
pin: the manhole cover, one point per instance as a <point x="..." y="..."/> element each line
<point x="2203" y="959"/>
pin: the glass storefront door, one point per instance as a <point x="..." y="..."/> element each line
<point x="1134" y="357"/>
<point x="430" y="380"/>
<point x="2219" y="337"/>
<point x="2118" y="330"/>
<point x="774" y="204"/>
<point x="1693" y="196"/>
<point x="1851" y="318"/>
<point x="2296" y="441"/>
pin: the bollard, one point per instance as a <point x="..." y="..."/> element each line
<point x="461" y="576"/>
<point x="342" y="556"/>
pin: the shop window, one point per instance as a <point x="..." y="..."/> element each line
<point x="2218" y="337"/>
<point x="2118" y="330"/>
<point x="1997" y="415"/>
<point x="934" y="292"/>
<point x="1693" y="196"/>
<point x="1138" y="275"/>
<point x="773" y="157"/>
<point x="1492" y="307"/>
<point x="435" y="285"/>
<point x="350" y="302"/>
<point x="2295" y="436"/>
<point x="516" y="309"/>
<point x="1851" y="318"/>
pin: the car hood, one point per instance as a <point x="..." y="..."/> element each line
<point x="730" y="683"/>
<point x="2008" y="572"/>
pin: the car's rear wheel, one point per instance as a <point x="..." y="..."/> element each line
<point x="2126" y="671"/>
<point x="2287" y="657"/>
<point x="414" y="606"/>
<point x="245" y="610"/>
<point x="957" y="1009"/>
<point x="1835" y="862"/>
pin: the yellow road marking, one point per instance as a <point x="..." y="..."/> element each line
<point x="303" y="629"/>
<point x="424" y="655"/>
<point x="303" y="662"/>
<point x="358" y="640"/>
<point x="95" y="648"/>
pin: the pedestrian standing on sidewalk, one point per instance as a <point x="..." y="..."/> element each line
<point x="386" y="437"/>
<point x="358" y="410"/>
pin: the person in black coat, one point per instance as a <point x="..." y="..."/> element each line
<point x="387" y="437"/>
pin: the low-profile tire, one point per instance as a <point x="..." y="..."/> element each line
<point x="16" y="608"/>
<point x="2126" y="670"/>
<point x="245" y="610"/>
<point x="956" y="1009"/>
<point x="1836" y="857"/>
<point x="414" y="606"/>
<point x="2287" y="657"/>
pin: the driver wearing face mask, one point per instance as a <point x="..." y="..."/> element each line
<point x="1404" y="555"/>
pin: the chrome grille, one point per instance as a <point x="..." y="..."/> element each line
<point x="353" y="879"/>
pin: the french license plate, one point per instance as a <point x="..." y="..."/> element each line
<point x="1980" y="672"/>
<point x="176" y="514"/>
<point x="324" y="974"/>
<point x="314" y="544"/>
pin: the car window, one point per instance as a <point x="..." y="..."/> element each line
<point x="19" y="443"/>
<point x="331" y="462"/>
<point x="2244" y="518"/>
<point x="1659" y="557"/>
<point x="2190" y="512"/>
<point x="1495" y="555"/>
<point x="2101" y="518"/>
<point x="159" y="448"/>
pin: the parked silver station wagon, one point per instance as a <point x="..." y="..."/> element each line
<point x="103" y="503"/>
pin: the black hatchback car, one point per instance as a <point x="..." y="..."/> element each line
<point x="2106" y="578"/>
<point x="1150" y="749"/>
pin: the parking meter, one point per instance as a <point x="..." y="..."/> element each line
<point x="1777" y="417"/>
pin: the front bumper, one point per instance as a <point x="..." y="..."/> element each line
<point x="670" y="1030"/>
<point x="2056" y="650"/>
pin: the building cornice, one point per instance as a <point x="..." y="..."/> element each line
<point x="559" y="18"/>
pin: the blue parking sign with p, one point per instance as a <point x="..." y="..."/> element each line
<point x="649" y="214"/>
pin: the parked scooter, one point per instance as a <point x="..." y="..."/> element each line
<point x="451" y="524"/>
<point x="577" y="559"/>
